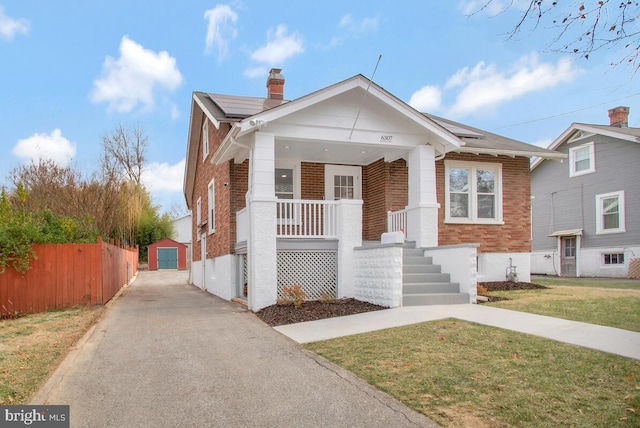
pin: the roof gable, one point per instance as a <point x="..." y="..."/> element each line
<point x="584" y="130"/>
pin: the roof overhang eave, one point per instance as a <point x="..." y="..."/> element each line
<point x="229" y="148"/>
<point x="512" y="153"/>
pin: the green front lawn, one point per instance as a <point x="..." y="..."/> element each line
<point x="466" y="375"/>
<point x="603" y="305"/>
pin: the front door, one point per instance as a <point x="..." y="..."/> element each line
<point x="342" y="182"/>
<point x="568" y="256"/>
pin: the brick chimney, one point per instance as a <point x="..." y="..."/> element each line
<point x="619" y="116"/>
<point x="275" y="84"/>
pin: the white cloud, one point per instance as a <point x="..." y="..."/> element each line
<point x="9" y="27"/>
<point x="175" y="113"/>
<point x="133" y="78"/>
<point x="354" y="29"/>
<point x="359" y="28"/>
<point x="279" y="48"/>
<point x="427" y="98"/>
<point x="162" y="177"/>
<point x="486" y="87"/>
<point x="44" y="146"/>
<point x="491" y="7"/>
<point x="256" y="72"/>
<point x="220" y="30"/>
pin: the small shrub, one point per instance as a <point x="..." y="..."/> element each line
<point x="328" y="298"/>
<point x="292" y="295"/>
<point x="482" y="291"/>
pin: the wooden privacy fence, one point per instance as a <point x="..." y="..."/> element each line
<point x="67" y="275"/>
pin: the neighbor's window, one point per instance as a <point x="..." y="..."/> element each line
<point x="581" y="160"/>
<point x="211" y="202"/>
<point x="613" y="259"/>
<point x="205" y="139"/>
<point x="610" y="213"/>
<point x="473" y="192"/>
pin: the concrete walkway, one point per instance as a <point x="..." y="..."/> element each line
<point x="167" y="354"/>
<point x="607" y="339"/>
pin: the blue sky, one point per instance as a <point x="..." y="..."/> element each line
<point x="71" y="71"/>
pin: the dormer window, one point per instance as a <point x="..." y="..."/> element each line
<point x="582" y="160"/>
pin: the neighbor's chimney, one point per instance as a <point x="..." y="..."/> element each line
<point x="275" y="84"/>
<point x="619" y="116"/>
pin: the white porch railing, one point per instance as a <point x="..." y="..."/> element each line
<point x="397" y="221"/>
<point x="298" y="218"/>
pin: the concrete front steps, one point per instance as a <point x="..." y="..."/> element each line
<point x="423" y="283"/>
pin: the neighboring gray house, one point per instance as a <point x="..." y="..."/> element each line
<point x="586" y="209"/>
<point x="182" y="233"/>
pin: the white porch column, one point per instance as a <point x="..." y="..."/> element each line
<point x="422" y="210"/>
<point x="261" y="241"/>
<point x="349" y="230"/>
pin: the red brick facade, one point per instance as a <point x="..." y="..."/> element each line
<point x="512" y="236"/>
<point x="221" y="241"/>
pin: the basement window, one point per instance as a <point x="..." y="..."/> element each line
<point x="613" y="259"/>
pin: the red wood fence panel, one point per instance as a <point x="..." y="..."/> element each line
<point x="67" y="275"/>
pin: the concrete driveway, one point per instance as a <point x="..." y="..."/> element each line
<point x="168" y="354"/>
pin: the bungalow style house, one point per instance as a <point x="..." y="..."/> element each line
<point x="350" y="192"/>
<point x="586" y="211"/>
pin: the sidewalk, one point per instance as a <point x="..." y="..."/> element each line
<point x="606" y="339"/>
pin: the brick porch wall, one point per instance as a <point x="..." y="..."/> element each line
<point x="512" y="236"/>
<point x="384" y="188"/>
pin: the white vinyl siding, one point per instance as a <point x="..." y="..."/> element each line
<point x="582" y="160"/>
<point x="610" y="216"/>
<point x="473" y="192"/>
<point x="211" y="207"/>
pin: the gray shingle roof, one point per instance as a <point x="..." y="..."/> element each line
<point x="481" y="140"/>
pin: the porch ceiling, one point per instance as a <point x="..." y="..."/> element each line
<point x="339" y="153"/>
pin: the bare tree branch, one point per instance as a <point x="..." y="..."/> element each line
<point x="582" y="28"/>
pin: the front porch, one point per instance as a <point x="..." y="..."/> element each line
<point x="319" y="246"/>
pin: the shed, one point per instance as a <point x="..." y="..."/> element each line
<point x="167" y="254"/>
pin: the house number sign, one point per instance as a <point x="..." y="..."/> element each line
<point x="386" y="138"/>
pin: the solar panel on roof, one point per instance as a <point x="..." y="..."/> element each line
<point x="234" y="106"/>
<point x="459" y="130"/>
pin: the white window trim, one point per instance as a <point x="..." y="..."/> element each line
<point x="611" y="252"/>
<point x="198" y="217"/>
<point x="473" y="166"/>
<point x="205" y="139"/>
<point x="572" y="163"/>
<point x="295" y="166"/>
<point x="211" y="206"/>
<point x="600" y="230"/>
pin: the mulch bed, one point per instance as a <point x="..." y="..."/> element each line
<point x="508" y="286"/>
<point x="310" y="311"/>
<point x="315" y="310"/>
<point x="504" y="286"/>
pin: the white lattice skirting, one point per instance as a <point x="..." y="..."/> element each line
<point x="314" y="271"/>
